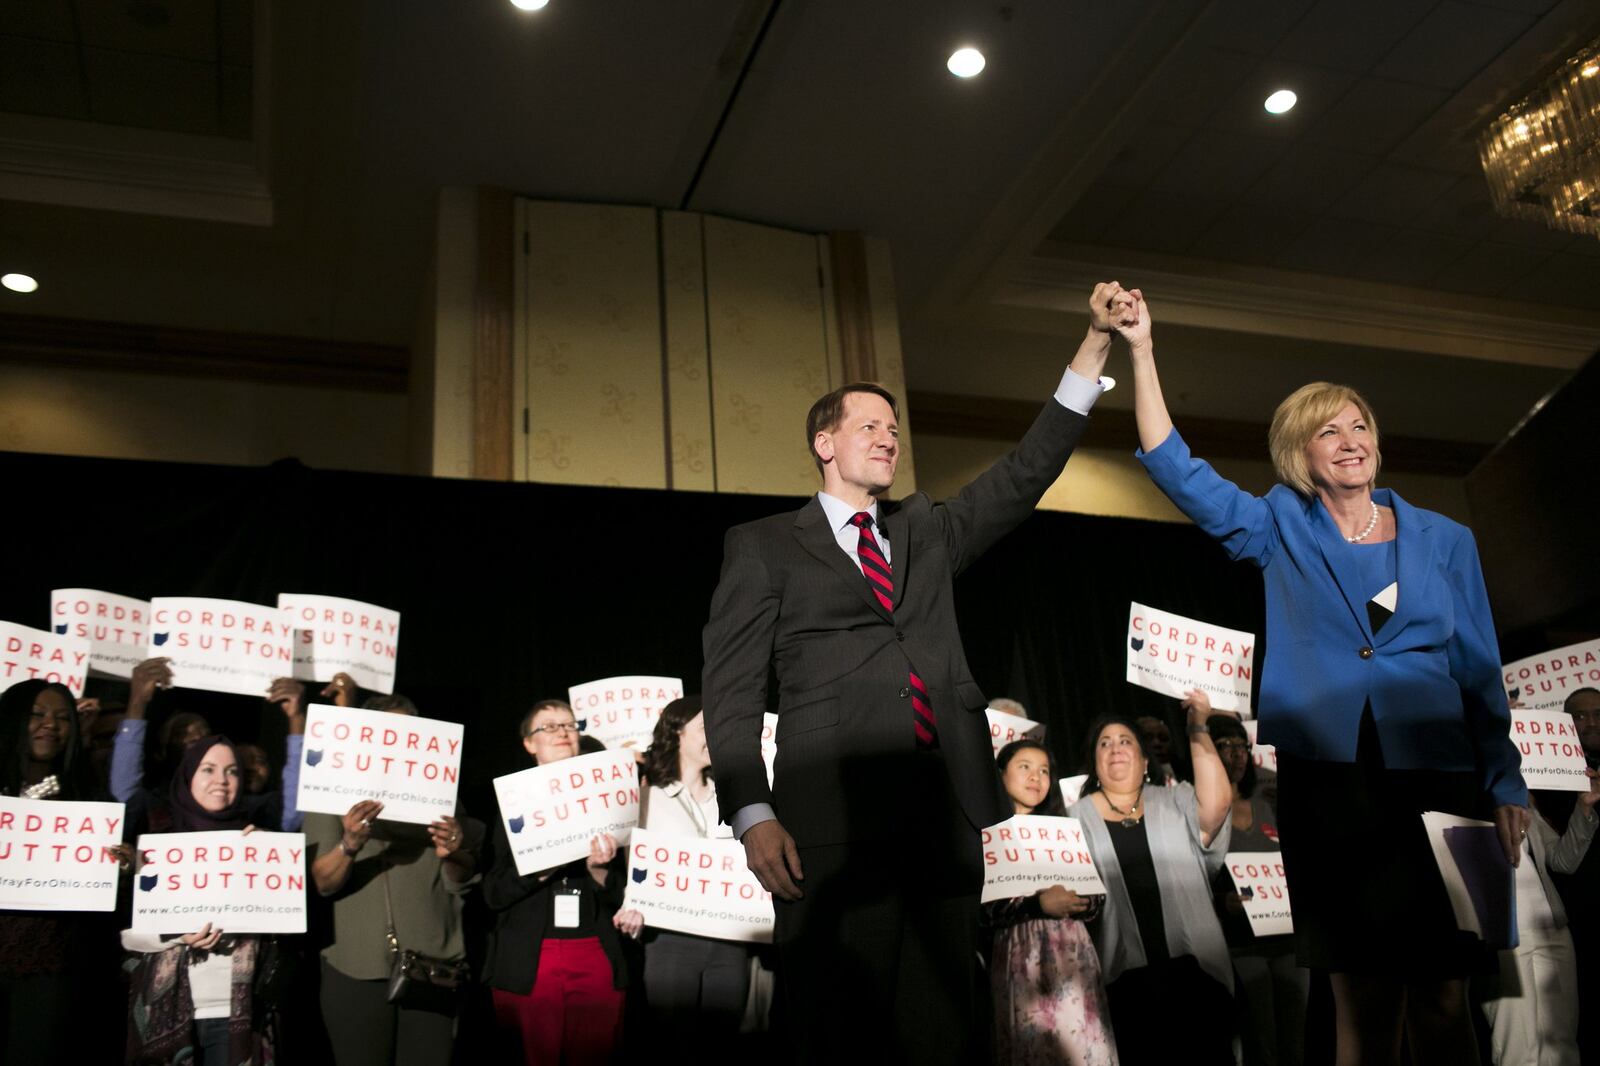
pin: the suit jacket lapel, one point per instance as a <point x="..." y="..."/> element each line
<point x="899" y="547"/>
<point x="1340" y="563"/>
<point x="812" y="531"/>
<point x="1413" y="537"/>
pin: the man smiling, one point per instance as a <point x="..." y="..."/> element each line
<point x="868" y="836"/>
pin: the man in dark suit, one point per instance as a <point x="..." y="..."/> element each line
<point x="868" y="836"/>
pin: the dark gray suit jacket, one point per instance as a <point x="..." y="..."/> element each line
<point x="793" y="609"/>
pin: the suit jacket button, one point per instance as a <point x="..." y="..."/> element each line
<point x="898" y="635"/>
<point x="1366" y="653"/>
<point x="905" y="692"/>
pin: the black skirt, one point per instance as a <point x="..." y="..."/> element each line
<point x="1364" y="888"/>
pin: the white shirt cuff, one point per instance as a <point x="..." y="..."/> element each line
<point x="1077" y="393"/>
<point x="749" y="815"/>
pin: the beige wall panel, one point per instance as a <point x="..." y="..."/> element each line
<point x="454" y="281"/>
<point x="593" y="347"/>
<point x="683" y="291"/>
<point x="769" y="356"/>
<point x="1107" y="481"/>
<point x="890" y="359"/>
<point x="65" y="411"/>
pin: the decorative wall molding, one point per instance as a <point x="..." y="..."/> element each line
<point x="1312" y="307"/>
<point x="41" y="340"/>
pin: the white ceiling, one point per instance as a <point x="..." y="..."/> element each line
<point x="1129" y="139"/>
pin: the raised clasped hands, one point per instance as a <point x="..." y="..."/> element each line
<point x="1112" y="308"/>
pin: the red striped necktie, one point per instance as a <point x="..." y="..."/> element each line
<point x="880" y="579"/>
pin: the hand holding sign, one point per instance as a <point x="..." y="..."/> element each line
<point x="1060" y="902"/>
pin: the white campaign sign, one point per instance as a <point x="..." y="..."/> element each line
<point x="1543" y="682"/>
<point x="411" y="765"/>
<point x="693" y="885"/>
<point x="221" y="645"/>
<point x="335" y="636"/>
<point x="552" y="812"/>
<point x="1072" y="788"/>
<point x="1172" y="654"/>
<point x="1552" y="756"/>
<point x="115" y="626"/>
<point x="769" y="742"/>
<point x="55" y="855"/>
<point x="37" y="654"/>
<point x="239" y="882"/>
<point x="1029" y="852"/>
<point x="1259" y="877"/>
<point x="621" y="712"/>
<point x="1005" y="727"/>
<point x="1265" y="755"/>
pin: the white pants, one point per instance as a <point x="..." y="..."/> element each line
<point x="1539" y="1025"/>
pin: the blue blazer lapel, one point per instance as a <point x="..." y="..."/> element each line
<point x="899" y="547"/>
<point x="1340" y="563"/>
<point x="1413" y="548"/>
<point x="811" y="530"/>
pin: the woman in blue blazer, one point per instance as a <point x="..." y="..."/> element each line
<point x="1381" y="692"/>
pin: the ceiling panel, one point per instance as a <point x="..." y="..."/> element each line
<point x="1392" y="194"/>
<point x="236" y="37"/>
<point x="1351" y="35"/>
<point x="1311" y="178"/>
<point x="173" y="28"/>
<point x="1413" y="257"/>
<point x="1097" y="213"/>
<point x="1218" y="164"/>
<point x="41" y="78"/>
<point x="1146" y="153"/>
<point x="1164" y="222"/>
<point x="49" y="20"/>
<point x="1252" y="26"/>
<point x="1375" y="116"/>
<point x="1254" y="234"/>
<point x="1463" y="210"/>
<point x="1570" y="279"/>
<point x="151" y="91"/>
<point x="1334" y="246"/>
<point x="1193" y="84"/>
<point x="1453" y="42"/>
<point x="1489" y="269"/>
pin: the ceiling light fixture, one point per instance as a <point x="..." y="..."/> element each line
<point x="1107" y="383"/>
<point x="529" y="5"/>
<point x="966" y="62"/>
<point x="1281" y="101"/>
<point x="1542" y="156"/>
<point x="19" y="282"/>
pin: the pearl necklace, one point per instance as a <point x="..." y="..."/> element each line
<point x="1365" y="533"/>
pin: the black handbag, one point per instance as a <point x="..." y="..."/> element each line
<point x="418" y="981"/>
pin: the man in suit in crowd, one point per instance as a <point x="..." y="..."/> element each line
<point x="868" y="836"/>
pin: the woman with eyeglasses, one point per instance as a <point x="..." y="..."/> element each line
<point x="1272" y="988"/>
<point x="555" y="963"/>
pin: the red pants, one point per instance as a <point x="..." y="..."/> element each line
<point x="573" y="1015"/>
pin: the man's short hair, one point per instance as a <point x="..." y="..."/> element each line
<point x="1007" y="705"/>
<point x="826" y="413"/>
<point x="1566" y="704"/>
<point x="542" y="705"/>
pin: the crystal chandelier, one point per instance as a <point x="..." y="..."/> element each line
<point x="1542" y="157"/>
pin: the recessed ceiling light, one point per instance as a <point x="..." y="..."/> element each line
<point x="1280" y="101"/>
<point x="965" y="62"/>
<point x="1107" y="383"/>
<point x="529" y="5"/>
<point x="19" y="282"/>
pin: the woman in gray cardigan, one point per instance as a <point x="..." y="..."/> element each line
<point x="1165" y="962"/>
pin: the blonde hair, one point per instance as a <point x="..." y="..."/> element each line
<point x="1297" y="419"/>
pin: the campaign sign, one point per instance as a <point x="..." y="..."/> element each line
<point x="1172" y="654"/>
<point x="621" y="712"/>
<point x="1259" y="877"/>
<point x="552" y="812"/>
<point x="1543" y="682"/>
<point x="239" y="882"/>
<point x="1029" y="852"/>
<point x="1072" y="788"/>
<point x="38" y="654"/>
<point x="411" y="765"/>
<point x="1552" y="757"/>
<point x="221" y="645"/>
<point x="334" y="636"/>
<point x="1005" y="727"/>
<point x="114" y="625"/>
<point x="693" y="885"/>
<point x="769" y="742"/>
<point x="55" y="855"/>
<point x="1265" y="755"/>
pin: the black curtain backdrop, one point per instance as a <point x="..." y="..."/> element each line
<point x="512" y="592"/>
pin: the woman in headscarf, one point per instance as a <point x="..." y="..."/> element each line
<point x="189" y="997"/>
